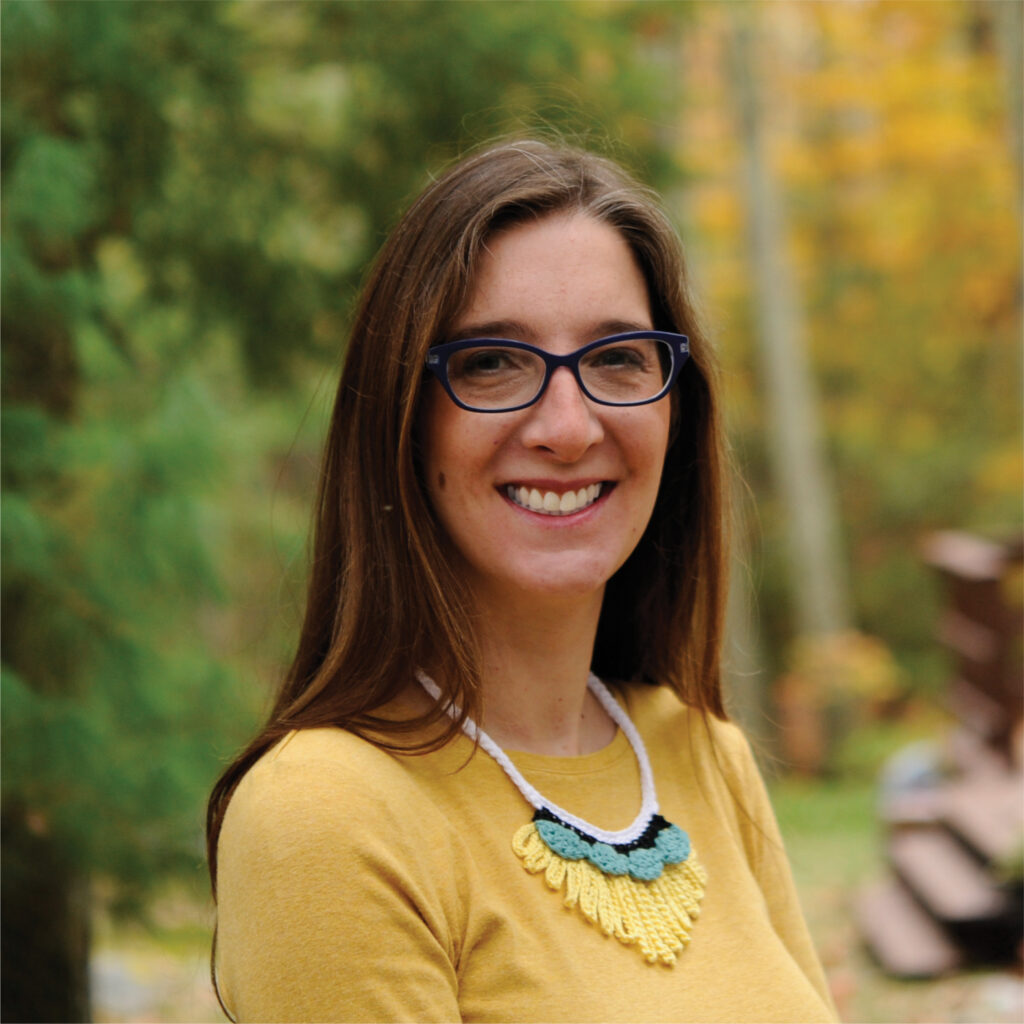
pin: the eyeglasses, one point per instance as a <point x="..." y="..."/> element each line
<point x="497" y="375"/>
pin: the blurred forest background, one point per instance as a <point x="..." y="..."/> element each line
<point x="191" y="192"/>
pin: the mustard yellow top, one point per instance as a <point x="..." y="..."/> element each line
<point x="358" y="885"/>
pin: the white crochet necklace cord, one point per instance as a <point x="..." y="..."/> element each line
<point x="641" y="884"/>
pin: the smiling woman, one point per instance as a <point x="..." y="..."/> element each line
<point x="484" y="784"/>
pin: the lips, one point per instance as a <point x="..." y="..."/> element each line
<point x="553" y="503"/>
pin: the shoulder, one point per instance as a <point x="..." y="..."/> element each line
<point x="323" y="785"/>
<point x="327" y="753"/>
<point x="683" y="741"/>
<point x="319" y="761"/>
<point x="664" y="719"/>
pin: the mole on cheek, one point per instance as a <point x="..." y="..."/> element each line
<point x="441" y="481"/>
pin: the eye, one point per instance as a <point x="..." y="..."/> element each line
<point x="485" y="361"/>
<point x="488" y="361"/>
<point x="628" y="356"/>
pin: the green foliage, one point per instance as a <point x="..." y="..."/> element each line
<point x="116" y="710"/>
<point x="51" y="193"/>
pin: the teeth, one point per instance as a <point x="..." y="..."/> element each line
<point x="552" y="504"/>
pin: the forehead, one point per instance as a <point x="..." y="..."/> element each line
<point x="556" y="271"/>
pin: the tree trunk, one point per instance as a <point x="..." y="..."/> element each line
<point x="1009" y="23"/>
<point x="818" y="580"/>
<point x="44" y="949"/>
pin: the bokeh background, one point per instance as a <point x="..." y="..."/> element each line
<point x="191" y="192"/>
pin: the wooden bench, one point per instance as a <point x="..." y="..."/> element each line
<point x="950" y="901"/>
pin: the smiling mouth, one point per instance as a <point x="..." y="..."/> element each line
<point x="550" y="503"/>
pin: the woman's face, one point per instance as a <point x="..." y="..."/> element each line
<point x="556" y="283"/>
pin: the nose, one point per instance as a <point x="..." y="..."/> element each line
<point x="562" y="422"/>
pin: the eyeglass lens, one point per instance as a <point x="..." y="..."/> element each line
<point x="619" y="373"/>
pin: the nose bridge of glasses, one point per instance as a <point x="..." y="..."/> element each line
<point x="557" y="367"/>
<point x="570" y="363"/>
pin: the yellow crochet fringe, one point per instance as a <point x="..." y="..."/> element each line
<point x="655" y="916"/>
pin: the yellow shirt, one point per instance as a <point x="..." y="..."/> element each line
<point x="358" y="885"/>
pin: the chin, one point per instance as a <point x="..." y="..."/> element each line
<point x="566" y="582"/>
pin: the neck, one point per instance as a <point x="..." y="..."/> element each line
<point x="536" y="661"/>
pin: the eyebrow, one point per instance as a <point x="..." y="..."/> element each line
<point x="516" y="330"/>
<point x="511" y="329"/>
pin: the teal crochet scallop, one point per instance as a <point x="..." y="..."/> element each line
<point x="607" y="859"/>
<point x="674" y="843"/>
<point x="671" y="846"/>
<point x="563" y="841"/>
<point x="645" y="864"/>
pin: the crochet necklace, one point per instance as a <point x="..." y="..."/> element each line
<point x="642" y="884"/>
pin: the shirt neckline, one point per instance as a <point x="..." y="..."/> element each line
<point x="581" y="764"/>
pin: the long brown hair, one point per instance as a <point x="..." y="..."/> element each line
<point x="384" y="596"/>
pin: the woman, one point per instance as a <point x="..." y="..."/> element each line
<point x="447" y="817"/>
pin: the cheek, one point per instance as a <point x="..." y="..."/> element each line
<point x="653" y="462"/>
<point x="435" y="430"/>
<point x="653" y="442"/>
<point x="455" y="453"/>
<point x="456" y="445"/>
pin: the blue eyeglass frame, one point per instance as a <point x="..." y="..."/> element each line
<point x="437" y="363"/>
